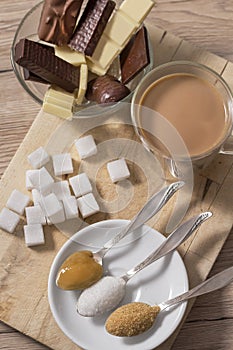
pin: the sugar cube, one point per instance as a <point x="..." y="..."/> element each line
<point x="118" y="170"/>
<point x="51" y="205"/>
<point x="34" y="235"/>
<point x="70" y="207"/>
<point x="80" y="184"/>
<point x="41" y="179"/>
<point x="29" y="185"/>
<point x="36" y="196"/>
<point x="38" y="158"/>
<point x="57" y="217"/>
<point x="62" y="164"/>
<point x="35" y="215"/>
<point x="61" y="189"/>
<point x="8" y="220"/>
<point x="86" y="146"/>
<point x="87" y="205"/>
<point x="17" y="201"/>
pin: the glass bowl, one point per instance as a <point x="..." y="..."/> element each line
<point x="28" y="29"/>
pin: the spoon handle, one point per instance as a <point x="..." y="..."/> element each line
<point x="155" y="203"/>
<point x="218" y="281"/>
<point x="177" y="237"/>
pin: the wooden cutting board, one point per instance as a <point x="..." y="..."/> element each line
<point x="24" y="272"/>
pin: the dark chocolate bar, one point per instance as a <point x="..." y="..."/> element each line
<point x="91" y="25"/>
<point x="29" y="76"/>
<point x="41" y="61"/>
<point x="135" y="56"/>
<point x="58" y="20"/>
<point x="33" y="77"/>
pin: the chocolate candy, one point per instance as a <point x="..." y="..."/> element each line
<point x="91" y="25"/>
<point x="135" y="57"/>
<point x="41" y="61"/>
<point x="58" y="19"/>
<point x="106" y="89"/>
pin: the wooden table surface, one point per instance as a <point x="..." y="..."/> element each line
<point x="205" y="23"/>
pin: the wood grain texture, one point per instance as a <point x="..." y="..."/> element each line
<point x="207" y="24"/>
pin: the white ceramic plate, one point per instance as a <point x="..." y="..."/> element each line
<point x="160" y="281"/>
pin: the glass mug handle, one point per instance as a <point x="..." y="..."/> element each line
<point x="227" y="147"/>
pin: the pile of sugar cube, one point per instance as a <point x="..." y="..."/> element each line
<point x="53" y="202"/>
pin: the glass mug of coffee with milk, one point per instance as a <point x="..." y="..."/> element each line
<point x="183" y="112"/>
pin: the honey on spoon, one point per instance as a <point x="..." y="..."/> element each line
<point x="84" y="268"/>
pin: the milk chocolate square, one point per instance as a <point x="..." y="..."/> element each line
<point x="58" y="20"/>
<point x="135" y="57"/>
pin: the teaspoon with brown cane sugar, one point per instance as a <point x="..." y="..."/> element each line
<point x="137" y="317"/>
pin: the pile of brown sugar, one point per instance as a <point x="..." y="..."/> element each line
<point x="131" y="319"/>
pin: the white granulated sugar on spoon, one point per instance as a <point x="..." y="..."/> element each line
<point x="101" y="296"/>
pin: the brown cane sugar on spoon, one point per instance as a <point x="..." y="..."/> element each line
<point x="137" y="317"/>
<point x="79" y="271"/>
<point x="132" y="319"/>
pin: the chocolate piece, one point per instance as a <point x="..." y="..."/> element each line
<point x="106" y="89"/>
<point x="58" y="20"/>
<point x="119" y="30"/>
<point x="135" y="57"/>
<point x="29" y="76"/>
<point x="41" y="61"/>
<point x="91" y="25"/>
<point x="33" y="77"/>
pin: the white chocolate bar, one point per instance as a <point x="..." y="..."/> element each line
<point x="68" y="55"/>
<point x="59" y="102"/>
<point x="82" y="84"/>
<point x="122" y="25"/>
<point x="137" y="9"/>
<point x="128" y="28"/>
<point x="103" y="56"/>
<point x="57" y="92"/>
<point x="94" y="68"/>
<point x="57" y="110"/>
